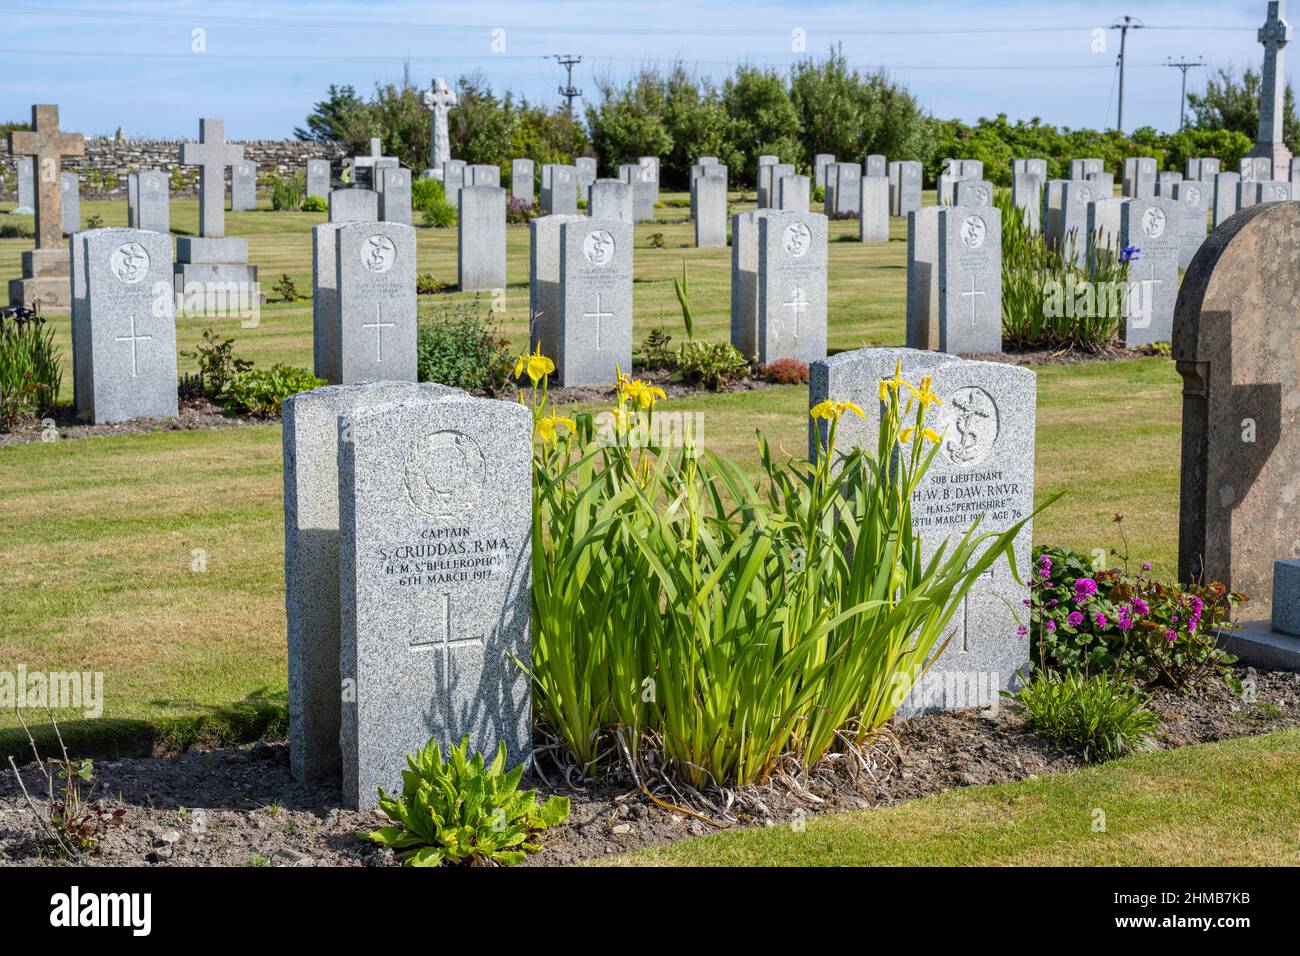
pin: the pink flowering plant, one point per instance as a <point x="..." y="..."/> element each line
<point x="1127" y="622"/>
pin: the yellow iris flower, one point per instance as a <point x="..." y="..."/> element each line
<point x="906" y="435"/>
<point x="537" y="365"/>
<point x="546" y="426"/>
<point x="888" y="385"/>
<point x="832" y="411"/>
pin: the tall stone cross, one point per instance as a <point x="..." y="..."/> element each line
<point x="47" y="145"/>
<point x="1274" y="35"/>
<point x="439" y="99"/>
<point x="212" y="154"/>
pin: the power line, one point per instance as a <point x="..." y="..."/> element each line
<point x="1184" y="66"/>
<point x="205" y="18"/>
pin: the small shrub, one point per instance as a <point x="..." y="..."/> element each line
<point x="460" y="346"/>
<point x="94" y="222"/>
<point x="519" y="211"/>
<point x="1127" y="623"/>
<point x="655" y="240"/>
<point x="426" y="284"/>
<point x="286" y="290"/>
<point x="261" y="391"/>
<point x="656" y="350"/>
<point x="1098" y="718"/>
<point x="463" y="812"/>
<point x="287" y="191"/>
<point x="429" y="196"/>
<point x="17" y="227"/>
<point x="31" y="366"/>
<point x="674" y="204"/>
<point x="711" y="364"/>
<point x="819" y="194"/>
<point x="218" y="363"/>
<point x="785" y="371"/>
<point x="315" y="204"/>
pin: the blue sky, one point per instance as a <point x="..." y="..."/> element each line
<point x="132" y="64"/>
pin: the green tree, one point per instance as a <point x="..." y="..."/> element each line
<point x="342" y="117"/>
<point x="630" y="121"/>
<point x="1232" y="103"/>
<point x="761" y="119"/>
<point x="482" y="126"/>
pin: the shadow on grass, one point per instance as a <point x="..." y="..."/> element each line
<point x="259" y="715"/>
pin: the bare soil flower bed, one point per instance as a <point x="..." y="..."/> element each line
<point x="238" y="806"/>
<point x="195" y="413"/>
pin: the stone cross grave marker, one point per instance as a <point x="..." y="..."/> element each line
<point x="1275" y="34"/>
<point x="439" y="100"/>
<point x="212" y="154"/>
<point x="1235" y="343"/>
<point x="435" y="527"/>
<point x="984" y="468"/>
<point x="123" y="332"/>
<point x="47" y="145"/>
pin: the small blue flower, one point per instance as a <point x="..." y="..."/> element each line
<point x="1129" y="253"/>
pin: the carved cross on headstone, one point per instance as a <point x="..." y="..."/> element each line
<point x="445" y="641"/>
<point x="599" y="316"/>
<point x="379" y="325"/>
<point x="47" y="145"/>
<point x="439" y="99"/>
<point x="212" y="154"/>
<point x="973" y="295"/>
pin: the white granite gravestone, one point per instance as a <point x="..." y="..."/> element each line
<point x="791" y="287"/>
<point x="243" y="186"/>
<point x="1028" y="177"/>
<point x="1140" y="177"/>
<point x="1192" y="196"/>
<point x="1151" y="226"/>
<point x="354" y="205"/>
<point x="744" y="281"/>
<point x="970" y="280"/>
<point x="904" y="187"/>
<point x="876" y="165"/>
<point x="481" y="239"/>
<point x="1083" y="168"/>
<point x="71" y="188"/>
<point x="922" y="325"/>
<point x="482" y="174"/>
<point x="318" y="178"/>
<point x="594" y="318"/>
<point x="873" y="203"/>
<point x="973" y="192"/>
<point x="364" y="327"/>
<point x="710" y="192"/>
<point x="148" y="202"/>
<point x="792" y="193"/>
<point x="522" y="174"/>
<point x="1255" y="168"/>
<point x="311" y="563"/>
<point x="611" y="199"/>
<point x="26" y="187"/>
<point x="843" y="190"/>
<point x="820" y="162"/>
<point x="394" y="194"/>
<point x="586" y="174"/>
<point x="1225" y="197"/>
<point x="123" y="325"/>
<point x="435" y="535"/>
<point x="650" y="174"/>
<point x="559" y="190"/>
<point x="984" y="469"/>
<point x="544" y="281"/>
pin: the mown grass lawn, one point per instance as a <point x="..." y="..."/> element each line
<point x="1232" y="803"/>
<point x="98" y="555"/>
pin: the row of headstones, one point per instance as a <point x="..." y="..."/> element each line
<point x="408" y="540"/>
